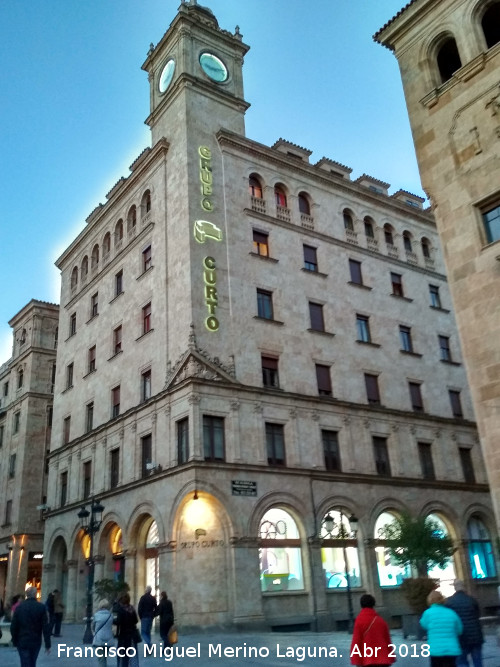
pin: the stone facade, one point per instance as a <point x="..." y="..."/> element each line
<point x="26" y="386"/>
<point x="251" y="345"/>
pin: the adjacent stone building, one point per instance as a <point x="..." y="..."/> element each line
<point x="255" y="351"/>
<point x="26" y="404"/>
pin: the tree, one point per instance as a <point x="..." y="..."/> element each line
<point x="109" y="589"/>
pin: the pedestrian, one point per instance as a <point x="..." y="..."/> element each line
<point x="14" y="604"/>
<point x="29" y="624"/>
<point x="443" y="627"/>
<point x="165" y="612"/>
<point x="147" y="611"/>
<point x="102" y="628"/>
<point x="370" y="636"/>
<point x="58" y="612"/>
<point x="49" y="605"/>
<point x="471" y="639"/>
<point x="126" y="630"/>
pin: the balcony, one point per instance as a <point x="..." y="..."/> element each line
<point x="283" y="213"/>
<point x="307" y="221"/>
<point x="257" y="204"/>
<point x="351" y="236"/>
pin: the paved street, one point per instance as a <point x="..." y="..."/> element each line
<point x="266" y="649"/>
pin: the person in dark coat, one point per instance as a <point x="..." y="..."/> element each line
<point x="471" y="639"/>
<point x="29" y="623"/>
<point x="165" y="612"/>
<point x="126" y="630"/>
<point x="147" y="611"/>
<point x="370" y="636"/>
<point x="49" y="605"/>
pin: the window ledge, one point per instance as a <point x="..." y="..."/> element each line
<point x="401" y="296"/>
<point x="92" y="318"/>
<point x="443" y="310"/>
<point x="67" y="389"/>
<point x="368" y="342"/>
<point x="89" y="373"/>
<point x="450" y="362"/>
<point x="264" y="257"/>
<point x="144" y="272"/>
<point x="71" y="336"/>
<point x="350" y="282"/>
<point x="117" y="296"/>
<point x="115" y="355"/>
<point x="411" y="354"/>
<point x="315" y="273"/>
<point x="322" y="332"/>
<point x="267" y="319"/>
<point x="144" y="334"/>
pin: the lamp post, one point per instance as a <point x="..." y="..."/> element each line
<point x="90" y="522"/>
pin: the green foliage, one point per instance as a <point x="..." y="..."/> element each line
<point x="108" y="589"/>
<point x="416" y="591"/>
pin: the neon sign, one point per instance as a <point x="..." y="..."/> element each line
<point x="206" y="177"/>
<point x="211" y="300"/>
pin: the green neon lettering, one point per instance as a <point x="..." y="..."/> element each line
<point x="212" y="323"/>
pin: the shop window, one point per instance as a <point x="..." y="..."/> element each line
<point x="339" y="550"/>
<point x="491" y="24"/>
<point x="481" y="555"/>
<point x="389" y="572"/>
<point x="446" y="574"/>
<point x="448" y="59"/>
<point x="280" y="553"/>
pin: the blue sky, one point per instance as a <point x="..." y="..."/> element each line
<point x="74" y="100"/>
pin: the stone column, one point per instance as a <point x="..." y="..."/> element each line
<point x="247" y="596"/>
<point x="291" y="441"/>
<point x="72" y="592"/>
<point x="195" y="429"/>
<point x="234" y="430"/>
<point x="259" y="434"/>
<point x="167" y="566"/>
<point x="396" y="450"/>
<point x="48" y="579"/>
<point x="130" y="571"/>
<point x="98" y="568"/>
<point x="319" y="602"/>
<point x="347" y="455"/>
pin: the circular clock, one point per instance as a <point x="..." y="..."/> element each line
<point x="166" y="75"/>
<point x="213" y="67"/>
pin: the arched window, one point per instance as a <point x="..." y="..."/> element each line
<point x="339" y="550"/>
<point x="280" y="196"/>
<point x="407" y="242"/>
<point x="280" y="553"/>
<point x="482" y="560"/>
<point x="151" y="553"/>
<point x="446" y="574"/>
<point x="118" y="231"/>
<point x="389" y="572"/>
<point x="304" y="206"/>
<point x="426" y="248"/>
<point x="20" y="378"/>
<point x="491" y="24"/>
<point x="131" y="219"/>
<point x="106" y="244"/>
<point x="94" y="262"/>
<point x="255" y="187"/>
<point x="369" y="228"/>
<point x="85" y="267"/>
<point x="74" y="278"/>
<point x="388" y="234"/>
<point x="348" y="220"/>
<point x="448" y="59"/>
<point x="145" y="203"/>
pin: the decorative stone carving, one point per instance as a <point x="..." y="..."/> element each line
<point x="257" y="408"/>
<point x="235" y="405"/>
<point x="315" y="416"/>
<point x="194" y="399"/>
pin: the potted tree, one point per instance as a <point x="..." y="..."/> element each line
<point x="110" y="590"/>
<point x="418" y="543"/>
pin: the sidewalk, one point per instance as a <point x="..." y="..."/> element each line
<point x="263" y="649"/>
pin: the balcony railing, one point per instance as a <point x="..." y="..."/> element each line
<point x="257" y="204"/>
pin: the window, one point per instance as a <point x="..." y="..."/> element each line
<point x="369" y="231"/>
<point x="106" y="244"/>
<point x="456" y="403"/>
<point x="20" y="378"/>
<point x="114" y="468"/>
<point x="94" y="305"/>
<point x="331" y="450"/>
<point x="2" y="431"/>
<point x="270" y="377"/>
<point x="348" y="221"/>
<point x="115" y="401"/>
<point x="280" y="196"/>
<point x="381" y="454"/>
<point x="275" y="444"/>
<point x="407" y="242"/>
<point x="416" y="397"/>
<point x="131" y="219"/>
<point x="63" y="488"/>
<point x="92" y="359"/>
<point x="372" y="392"/>
<point x="390" y="573"/>
<point x="119" y="283"/>
<point x="183" y="441"/>
<point x="481" y="555"/>
<point x="69" y="375"/>
<point x="446" y="573"/>
<point x="94" y="259"/>
<point x="254" y="187"/>
<point x="405" y="338"/>
<point x="17" y="422"/>
<point x="8" y="512"/>
<point x="146" y="259"/>
<point x="146" y="454"/>
<point x="261" y="243"/>
<point x="66" y="430"/>
<point x="87" y="479"/>
<point x="355" y="271"/>
<point x="435" y="299"/>
<point x="85" y="267"/>
<point x="324" y="380"/>
<point x="310" y="258"/>
<point x="491" y="24"/>
<point x="466" y="463"/>
<point x="5" y="388"/>
<point x="74" y="278"/>
<point x="146" y="318"/>
<point x="146" y="385"/>
<point x="118" y="231"/>
<point x="89" y="417"/>
<point x="12" y="465"/>
<point x="397" y="284"/>
<point x="363" y="329"/>
<point x="388" y="235"/>
<point x="339" y="553"/>
<point x="426" y="462"/>
<point x="53" y="377"/>
<point x="279" y="552"/>
<point x="50" y="414"/>
<point x="304" y="206"/>
<point x="491" y="221"/>
<point x="213" y="438"/>
<point x="117" y="340"/>
<point x="72" y="324"/>
<point x="448" y="59"/>
<point x="316" y="316"/>
<point x="444" y="348"/>
<point x="426" y="248"/>
<point x="145" y="203"/>
<point x="265" y="304"/>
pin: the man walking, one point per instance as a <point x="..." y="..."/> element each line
<point x="471" y="639"/>
<point x="29" y="623"/>
<point x="147" y="611"/>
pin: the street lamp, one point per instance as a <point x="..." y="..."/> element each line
<point x="90" y="522"/>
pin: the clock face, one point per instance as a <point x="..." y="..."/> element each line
<point x="166" y="75"/>
<point x="213" y="67"/>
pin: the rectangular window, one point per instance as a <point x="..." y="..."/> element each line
<point x="265" y="304"/>
<point x="444" y="348"/>
<point x="491" y="221"/>
<point x="372" y="392"/>
<point x="456" y="403"/>
<point x="434" y="297"/>
<point x="213" y="438"/>
<point x="89" y="417"/>
<point x="114" y="468"/>
<point x="50" y="412"/>
<point x="355" y="272"/>
<point x="397" y="284"/>
<point x="69" y="375"/>
<point x="92" y="359"/>
<point x="12" y="465"/>
<point x="87" y="479"/>
<point x="261" y="243"/>
<point x="72" y="324"/>
<point x="183" y="441"/>
<point x="117" y="340"/>
<point x="5" y="388"/>
<point x="8" y="512"/>
<point x="2" y="429"/>
<point x="94" y="305"/>
<point x="310" y="258"/>
<point x="467" y="467"/>
<point x="275" y="444"/>
<point x="119" y="283"/>
<point x="331" y="450"/>
<point x="66" y="430"/>
<point x="146" y="454"/>
<point x="405" y="339"/>
<point x="53" y="378"/>
<point x="17" y="422"/>
<point x="363" y="329"/>
<point x="381" y="454"/>
<point x="316" y="316"/>
<point x="324" y="380"/>
<point x="146" y="259"/>
<point x="146" y="318"/>
<point x="270" y="377"/>
<point x="115" y="401"/>
<point x="417" y="404"/>
<point x="63" y="488"/>
<point x="426" y="462"/>
<point x="146" y="385"/>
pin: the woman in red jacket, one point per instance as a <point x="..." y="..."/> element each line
<point x="370" y="637"/>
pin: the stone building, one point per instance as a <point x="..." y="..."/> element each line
<point x="26" y="398"/>
<point x="256" y="351"/>
<point x="449" y="57"/>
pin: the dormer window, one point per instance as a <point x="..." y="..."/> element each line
<point x="448" y="59"/>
